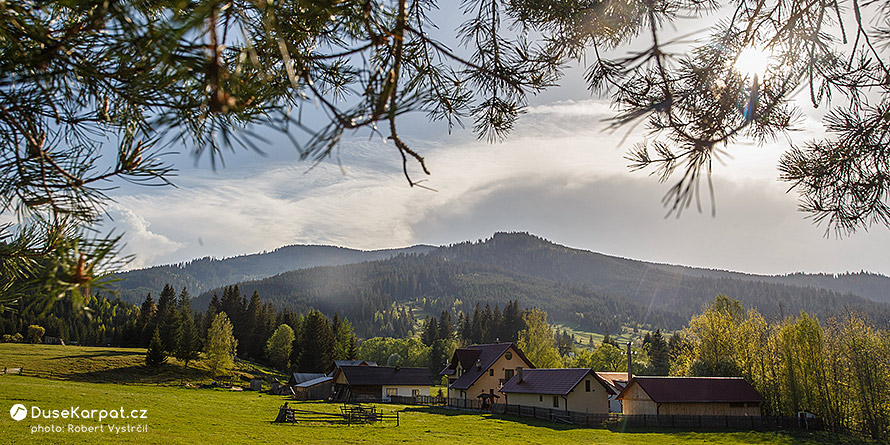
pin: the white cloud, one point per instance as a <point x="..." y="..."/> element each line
<point x="558" y="176"/>
<point x="147" y="246"/>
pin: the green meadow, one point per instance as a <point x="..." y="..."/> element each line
<point x="176" y="414"/>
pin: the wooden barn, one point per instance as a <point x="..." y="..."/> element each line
<point x="691" y="396"/>
<point x="379" y="383"/>
<point x="570" y="389"/>
<point x="316" y="389"/>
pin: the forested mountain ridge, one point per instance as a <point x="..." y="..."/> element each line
<point x="535" y="256"/>
<point x="207" y="273"/>
<point x="596" y="291"/>
<point x="373" y="295"/>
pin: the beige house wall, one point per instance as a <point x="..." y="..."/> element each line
<point x="488" y="383"/>
<point x="594" y="402"/>
<point x="405" y="391"/>
<point x="635" y="401"/>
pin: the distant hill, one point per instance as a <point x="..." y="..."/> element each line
<point x="372" y="294"/>
<point x="535" y="256"/>
<point x="591" y="290"/>
<point x="207" y="273"/>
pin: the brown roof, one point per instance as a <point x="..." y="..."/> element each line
<point x="550" y="381"/>
<point x="386" y="375"/>
<point x="484" y="355"/>
<point x="618" y="380"/>
<point x="696" y="389"/>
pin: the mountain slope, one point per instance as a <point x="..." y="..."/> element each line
<point x="371" y="293"/>
<point x="535" y="256"/>
<point x="208" y="273"/>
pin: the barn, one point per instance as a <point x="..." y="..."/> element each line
<point x="691" y="396"/>
<point x="379" y="383"/>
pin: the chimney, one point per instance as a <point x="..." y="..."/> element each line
<point x="630" y="373"/>
<point x="478" y="364"/>
<point x="497" y="340"/>
<point x="519" y="375"/>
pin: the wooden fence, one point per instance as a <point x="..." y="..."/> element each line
<point x="350" y="414"/>
<point x="30" y="372"/>
<point x="763" y="423"/>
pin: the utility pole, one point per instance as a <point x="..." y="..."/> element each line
<point x="629" y="364"/>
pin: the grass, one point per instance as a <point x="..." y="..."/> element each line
<point x="180" y="415"/>
<point x="582" y="337"/>
<point x="176" y="414"/>
<point x="115" y="365"/>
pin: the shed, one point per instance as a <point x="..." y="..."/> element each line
<point x="694" y="396"/>
<point x="300" y="377"/>
<point x="315" y="389"/>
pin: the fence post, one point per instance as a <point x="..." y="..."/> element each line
<point x="534" y="414"/>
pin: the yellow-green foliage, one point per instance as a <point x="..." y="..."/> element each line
<point x="221" y="345"/>
<point x="838" y="369"/>
<point x="536" y="340"/>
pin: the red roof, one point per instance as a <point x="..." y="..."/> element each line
<point x="696" y="389"/>
<point x="550" y="381"/>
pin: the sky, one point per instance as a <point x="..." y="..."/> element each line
<point x="560" y="175"/>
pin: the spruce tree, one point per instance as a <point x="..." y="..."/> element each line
<point x="167" y="318"/>
<point x="446" y="329"/>
<point x="146" y="323"/>
<point x="318" y="344"/>
<point x="188" y="339"/>
<point x="659" y="356"/>
<point x="430" y="331"/>
<point x="155" y="356"/>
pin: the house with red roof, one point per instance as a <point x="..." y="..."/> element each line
<point x="571" y="389"/>
<point x="691" y="396"/>
<point x="483" y="369"/>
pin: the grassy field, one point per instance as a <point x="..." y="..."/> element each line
<point x="115" y="365"/>
<point x="582" y="337"/>
<point x="180" y="415"/>
<point x="175" y="414"/>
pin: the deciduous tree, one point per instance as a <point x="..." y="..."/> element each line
<point x="221" y="345"/>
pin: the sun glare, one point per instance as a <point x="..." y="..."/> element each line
<point x="753" y="61"/>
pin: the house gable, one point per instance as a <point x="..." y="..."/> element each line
<point x="484" y="368"/>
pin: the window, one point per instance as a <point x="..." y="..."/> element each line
<point x="508" y="374"/>
<point x="491" y="390"/>
<point x="509" y="355"/>
<point x="540" y="398"/>
<point x="737" y="405"/>
<point x="556" y="401"/>
<point x="392" y="392"/>
<point x="587" y="386"/>
<point x="415" y="392"/>
<point x="491" y="372"/>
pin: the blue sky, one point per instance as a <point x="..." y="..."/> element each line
<point x="560" y="175"/>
